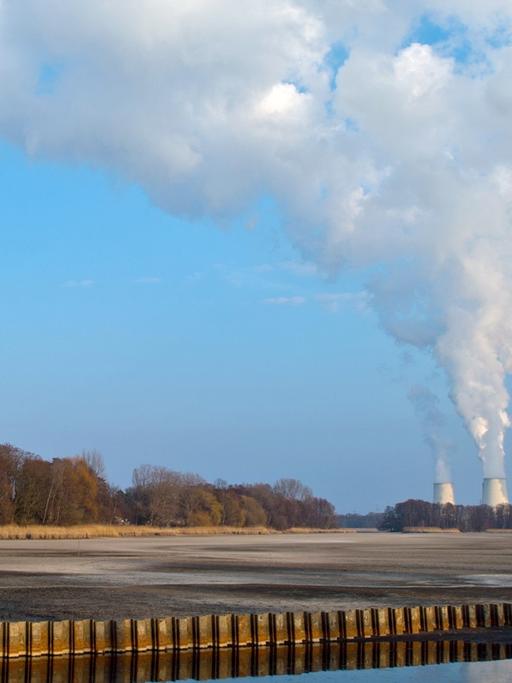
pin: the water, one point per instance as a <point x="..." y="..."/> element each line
<point x="475" y="672"/>
<point x="447" y="661"/>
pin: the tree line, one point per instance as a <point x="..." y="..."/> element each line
<point x="354" y="520"/>
<point x="420" y="513"/>
<point x="74" y="490"/>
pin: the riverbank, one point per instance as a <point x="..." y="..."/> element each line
<point x="115" y="578"/>
<point x="47" y="533"/>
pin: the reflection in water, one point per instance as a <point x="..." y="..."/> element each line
<point x="243" y="662"/>
<point x="494" y="672"/>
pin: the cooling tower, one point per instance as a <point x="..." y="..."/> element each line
<point x="494" y="492"/>
<point x="443" y="493"/>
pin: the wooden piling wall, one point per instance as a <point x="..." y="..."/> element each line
<point x="89" y="636"/>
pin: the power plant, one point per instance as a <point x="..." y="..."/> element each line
<point x="494" y="492"/>
<point x="443" y="493"/>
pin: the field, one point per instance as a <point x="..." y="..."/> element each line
<point x="182" y="575"/>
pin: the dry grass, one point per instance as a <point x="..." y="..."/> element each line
<point x="337" y="530"/>
<point x="36" y="532"/>
<point x="429" y="530"/>
<point x="499" y="531"/>
<point x="14" y="532"/>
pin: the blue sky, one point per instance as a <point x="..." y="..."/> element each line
<point x="176" y="183"/>
<point x="155" y="340"/>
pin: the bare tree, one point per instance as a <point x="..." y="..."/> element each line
<point x="94" y="460"/>
<point x="292" y="489"/>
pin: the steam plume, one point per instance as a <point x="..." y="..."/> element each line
<point x="384" y="153"/>
<point x="426" y="405"/>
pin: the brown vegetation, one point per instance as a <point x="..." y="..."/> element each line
<point x="10" y="532"/>
<point x="74" y="492"/>
<point x="353" y="520"/>
<point x="39" y="532"/>
<point x="421" y="515"/>
<point x="428" y="530"/>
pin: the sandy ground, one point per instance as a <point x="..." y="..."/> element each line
<point x="141" y="577"/>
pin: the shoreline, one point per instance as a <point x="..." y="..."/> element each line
<point x="14" y="532"/>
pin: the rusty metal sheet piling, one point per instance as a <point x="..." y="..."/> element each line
<point x="301" y="629"/>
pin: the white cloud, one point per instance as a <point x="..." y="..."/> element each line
<point x="398" y="160"/>
<point x="282" y="101"/>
